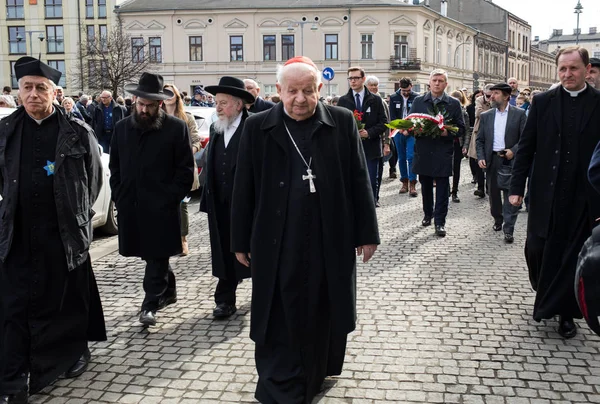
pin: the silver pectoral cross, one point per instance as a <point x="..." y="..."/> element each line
<point x="310" y="178"/>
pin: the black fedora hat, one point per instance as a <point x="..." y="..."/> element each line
<point x="502" y="87"/>
<point x="232" y="86"/>
<point x="595" y="62"/>
<point x="150" y="87"/>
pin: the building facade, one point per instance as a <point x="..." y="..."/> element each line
<point x="543" y="69"/>
<point x="199" y="43"/>
<point x="52" y="30"/>
<point x="489" y="18"/>
<point x="490" y="59"/>
<point x="589" y="40"/>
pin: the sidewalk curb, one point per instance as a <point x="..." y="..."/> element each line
<point x="105" y="249"/>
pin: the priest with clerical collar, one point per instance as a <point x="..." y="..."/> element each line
<point x="302" y="211"/>
<point x="562" y="130"/>
<point x="50" y="176"/>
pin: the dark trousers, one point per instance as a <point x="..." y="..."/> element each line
<point x="379" y="178"/>
<point x="373" y="166"/>
<point x="104" y="139"/>
<point x="227" y="285"/>
<point x="442" y="189"/>
<point x="456" y="167"/>
<point x="394" y="156"/>
<point x="159" y="281"/>
<point x="478" y="173"/>
<point x="501" y="209"/>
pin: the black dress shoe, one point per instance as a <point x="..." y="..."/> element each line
<point x="508" y="238"/>
<point x="147" y="318"/>
<point x="80" y="366"/>
<point x="479" y="193"/>
<point x="497" y="226"/>
<point x="566" y="327"/>
<point x="164" y="301"/>
<point x="426" y="221"/>
<point x="19" y="398"/>
<point x="455" y="198"/>
<point x="224" y="310"/>
<point x="440" y="231"/>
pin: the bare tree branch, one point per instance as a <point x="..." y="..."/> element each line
<point x="111" y="61"/>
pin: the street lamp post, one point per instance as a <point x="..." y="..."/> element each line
<point x="578" y="11"/>
<point x="41" y="37"/>
<point x="301" y="24"/>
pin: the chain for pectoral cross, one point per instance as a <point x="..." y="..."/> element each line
<point x="310" y="177"/>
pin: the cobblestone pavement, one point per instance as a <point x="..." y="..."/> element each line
<point x="439" y="321"/>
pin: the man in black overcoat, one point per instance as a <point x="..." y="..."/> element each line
<point x="433" y="157"/>
<point x="258" y="103"/>
<point x="50" y="177"/>
<point x="374" y="118"/>
<point x="301" y="211"/>
<point x="594" y="170"/>
<point x="152" y="170"/>
<point x="220" y="170"/>
<point x="562" y="129"/>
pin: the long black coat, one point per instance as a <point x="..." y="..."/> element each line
<point x="594" y="171"/>
<point x="208" y="201"/>
<point x="260" y="200"/>
<point x="541" y="139"/>
<point x="151" y="173"/>
<point x="433" y="157"/>
<point x="374" y="118"/>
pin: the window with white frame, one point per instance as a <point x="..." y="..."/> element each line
<point x="366" y="44"/>
<point x="401" y="47"/>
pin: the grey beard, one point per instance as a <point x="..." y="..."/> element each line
<point x="220" y="125"/>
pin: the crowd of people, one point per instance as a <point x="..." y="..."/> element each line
<point x="282" y="177"/>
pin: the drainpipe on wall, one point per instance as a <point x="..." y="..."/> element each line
<point x="349" y="37"/>
<point x="81" y="79"/>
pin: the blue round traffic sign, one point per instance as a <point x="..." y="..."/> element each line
<point x="328" y="73"/>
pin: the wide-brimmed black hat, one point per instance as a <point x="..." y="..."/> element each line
<point x="232" y="86"/>
<point x="502" y="87"/>
<point x="28" y="66"/>
<point x="595" y="62"/>
<point x="150" y="87"/>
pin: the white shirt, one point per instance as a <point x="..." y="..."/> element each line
<point x="500" y="129"/>
<point x="231" y="129"/>
<point x="362" y="96"/>
<point x="405" y="107"/>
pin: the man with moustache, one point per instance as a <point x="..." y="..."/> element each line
<point x="593" y="77"/>
<point x="50" y="177"/>
<point x="514" y="85"/>
<point x="497" y="143"/>
<point x="220" y="167"/>
<point x="302" y="210"/>
<point x="433" y="157"/>
<point x="152" y="170"/>
<point x="561" y="133"/>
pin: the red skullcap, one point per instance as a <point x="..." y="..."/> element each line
<point x="301" y="59"/>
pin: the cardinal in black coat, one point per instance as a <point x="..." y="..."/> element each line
<point x="301" y="211"/>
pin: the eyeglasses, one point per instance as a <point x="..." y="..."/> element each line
<point x="527" y="94"/>
<point x="354" y="78"/>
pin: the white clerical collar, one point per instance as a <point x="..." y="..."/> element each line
<point x="575" y="93"/>
<point x="39" y="121"/>
<point x="294" y="119"/>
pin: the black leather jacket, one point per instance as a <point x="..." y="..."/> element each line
<point x="77" y="182"/>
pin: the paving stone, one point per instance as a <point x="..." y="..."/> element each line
<point x="439" y="321"/>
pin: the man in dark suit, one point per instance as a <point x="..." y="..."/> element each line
<point x="105" y="116"/>
<point x="259" y="104"/>
<point x="220" y="168"/>
<point x="562" y="130"/>
<point x="433" y="157"/>
<point x="301" y="179"/>
<point x="400" y="103"/>
<point x="594" y="171"/>
<point x="374" y="118"/>
<point x="152" y="170"/>
<point x="500" y="129"/>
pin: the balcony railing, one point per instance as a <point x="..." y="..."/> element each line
<point x="404" y="64"/>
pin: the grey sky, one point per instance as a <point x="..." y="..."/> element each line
<point x="544" y="15"/>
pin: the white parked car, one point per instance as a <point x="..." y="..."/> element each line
<point x="106" y="213"/>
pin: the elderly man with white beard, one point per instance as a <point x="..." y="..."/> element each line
<point x="302" y="211"/>
<point x="225" y="133"/>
